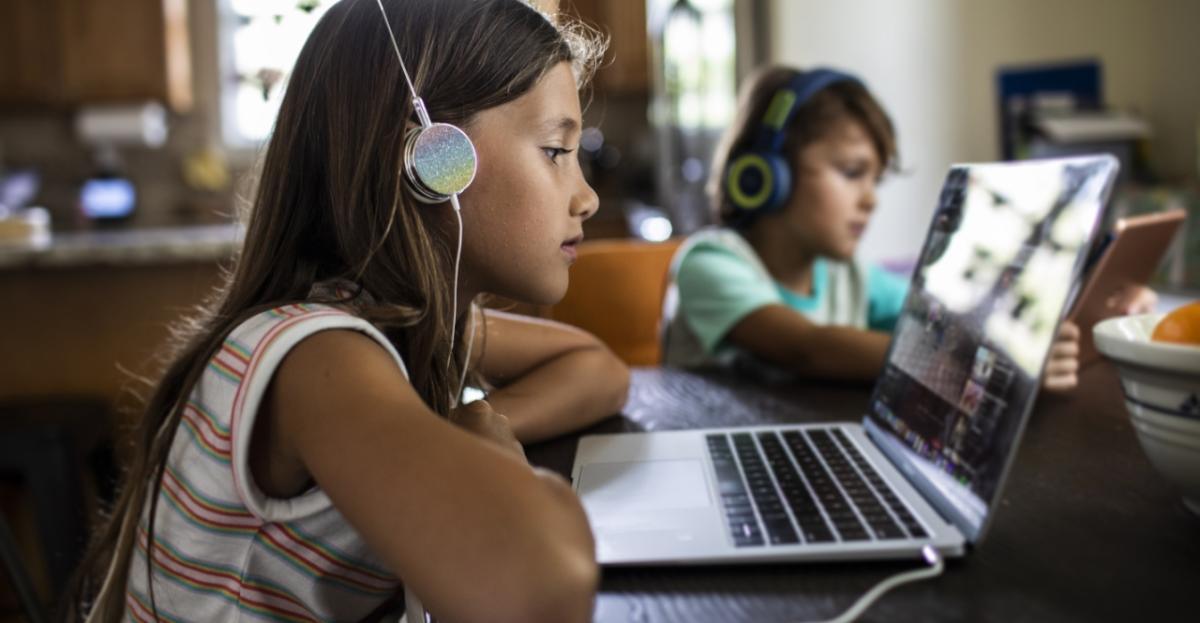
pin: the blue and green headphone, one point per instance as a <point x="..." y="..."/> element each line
<point x="758" y="180"/>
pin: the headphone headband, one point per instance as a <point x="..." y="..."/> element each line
<point x="772" y="131"/>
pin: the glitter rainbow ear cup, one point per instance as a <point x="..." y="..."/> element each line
<point x="439" y="162"/>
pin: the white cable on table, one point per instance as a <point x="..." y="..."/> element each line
<point x="935" y="569"/>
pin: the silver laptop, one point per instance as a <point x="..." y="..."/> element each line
<point x="927" y="463"/>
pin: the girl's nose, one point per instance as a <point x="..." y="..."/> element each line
<point x="867" y="199"/>
<point x="585" y="202"/>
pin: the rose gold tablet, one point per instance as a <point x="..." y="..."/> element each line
<point x="1130" y="259"/>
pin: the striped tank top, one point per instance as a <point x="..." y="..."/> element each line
<point x="225" y="551"/>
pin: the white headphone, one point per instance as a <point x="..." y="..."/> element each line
<point x="439" y="163"/>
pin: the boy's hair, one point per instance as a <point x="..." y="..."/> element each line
<point x="812" y="120"/>
<point x="329" y="204"/>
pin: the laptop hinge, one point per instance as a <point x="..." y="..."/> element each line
<point x="891" y="448"/>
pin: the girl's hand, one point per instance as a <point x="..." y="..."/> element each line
<point x="1135" y="299"/>
<point x="478" y="417"/>
<point x="1062" y="367"/>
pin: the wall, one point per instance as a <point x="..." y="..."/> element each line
<point x="1148" y="49"/>
<point x="933" y="62"/>
<point x="907" y="53"/>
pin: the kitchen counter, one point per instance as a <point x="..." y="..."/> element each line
<point x="125" y="247"/>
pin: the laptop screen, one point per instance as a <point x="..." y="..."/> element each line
<point x="1004" y="249"/>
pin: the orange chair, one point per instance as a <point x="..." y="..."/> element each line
<point x="616" y="293"/>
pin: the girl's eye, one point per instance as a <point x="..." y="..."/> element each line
<point x="854" y="172"/>
<point x="553" y="153"/>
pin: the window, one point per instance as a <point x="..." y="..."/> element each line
<point x="696" y="51"/>
<point x="259" y="41"/>
<point x="693" y="100"/>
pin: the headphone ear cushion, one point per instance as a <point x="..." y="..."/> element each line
<point x="439" y="161"/>
<point x="758" y="182"/>
<point x="781" y="190"/>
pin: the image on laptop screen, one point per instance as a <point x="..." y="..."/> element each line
<point x="1002" y="253"/>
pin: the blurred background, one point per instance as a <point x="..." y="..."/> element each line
<point x="127" y="128"/>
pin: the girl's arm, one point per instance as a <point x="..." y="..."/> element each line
<point x="551" y="378"/>
<point x="785" y="338"/>
<point x="459" y="517"/>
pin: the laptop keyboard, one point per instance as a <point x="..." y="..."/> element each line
<point x="804" y="486"/>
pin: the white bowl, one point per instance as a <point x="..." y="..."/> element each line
<point x="1162" y="393"/>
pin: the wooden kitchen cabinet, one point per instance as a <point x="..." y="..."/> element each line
<point x="91" y="331"/>
<point x="30" y="56"/>
<point x="627" y="64"/>
<point x="66" y="53"/>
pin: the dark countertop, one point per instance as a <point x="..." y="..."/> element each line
<point x="125" y="247"/>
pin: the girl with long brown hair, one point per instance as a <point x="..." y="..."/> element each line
<point x="304" y="453"/>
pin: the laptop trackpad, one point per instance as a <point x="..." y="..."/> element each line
<point x="641" y="486"/>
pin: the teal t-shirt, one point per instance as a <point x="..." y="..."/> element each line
<point x="717" y="279"/>
<point x="885" y="295"/>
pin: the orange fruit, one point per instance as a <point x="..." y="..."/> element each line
<point x="1181" y="326"/>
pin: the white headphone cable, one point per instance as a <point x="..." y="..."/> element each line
<point x="423" y="117"/>
<point x="462" y="379"/>
<point x="870" y="597"/>
<point x="413" y="605"/>
<point x="454" y="285"/>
